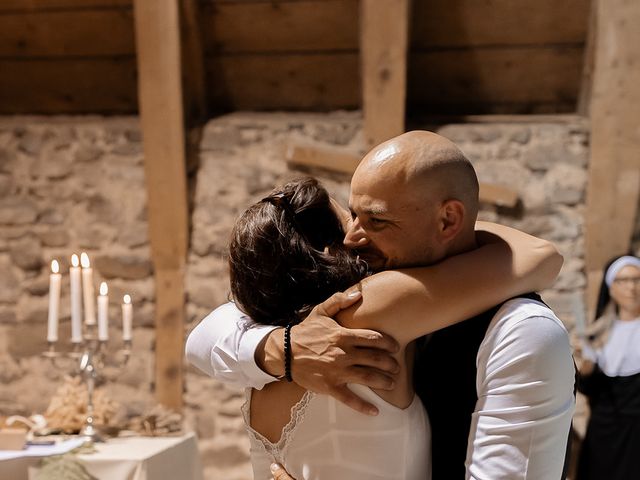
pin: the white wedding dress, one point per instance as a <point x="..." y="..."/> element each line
<point x="326" y="440"/>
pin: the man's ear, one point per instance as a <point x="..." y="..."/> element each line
<point x="452" y="214"/>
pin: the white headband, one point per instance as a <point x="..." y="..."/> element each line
<point x="618" y="265"/>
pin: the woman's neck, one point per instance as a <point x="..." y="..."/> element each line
<point x="628" y="315"/>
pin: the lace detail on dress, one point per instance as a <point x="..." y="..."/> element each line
<point x="276" y="450"/>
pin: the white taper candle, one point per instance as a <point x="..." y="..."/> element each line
<point x="127" y="317"/>
<point x="103" y="313"/>
<point x="88" y="291"/>
<point x="76" y="300"/>
<point x="54" y="302"/>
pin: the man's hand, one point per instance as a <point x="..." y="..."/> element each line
<point x="280" y="473"/>
<point x="327" y="356"/>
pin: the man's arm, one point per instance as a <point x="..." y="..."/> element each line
<point x="227" y="345"/>
<point x="325" y="356"/>
<point x="223" y="345"/>
<point x="521" y="424"/>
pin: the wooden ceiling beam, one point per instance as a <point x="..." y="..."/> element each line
<point x="384" y="32"/>
<point x="160" y="87"/>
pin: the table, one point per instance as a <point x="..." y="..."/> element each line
<point x="134" y="458"/>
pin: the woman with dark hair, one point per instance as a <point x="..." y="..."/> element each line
<point x="610" y="376"/>
<point x="286" y="255"/>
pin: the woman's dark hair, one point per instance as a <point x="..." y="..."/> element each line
<point x="286" y="254"/>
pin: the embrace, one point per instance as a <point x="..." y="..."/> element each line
<point x="435" y="359"/>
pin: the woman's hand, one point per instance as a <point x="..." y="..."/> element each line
<point x="280" y="473"/>
<point x="325" y="356"/>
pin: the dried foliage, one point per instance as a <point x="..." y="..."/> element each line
<point x="67" y="410"/>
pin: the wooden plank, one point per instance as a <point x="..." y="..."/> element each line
<point x="310" y="25"/>
<point x="383" y="46"/>
<point x="494" y="81"/>
<point x="481" y="80"/>
<point x="584" y="94"/>
<point x="284" y="82"/>
<point x="68" y="86"/>
<point x="498" y="195"/>
<point x="329" y="159"/>
<point x="473" y="23"/>
<point x="338" y="160"/>
<point x="67" y="33"/>
<point x="614" y="167"/>
<point x="193" y="63"/>
<point x="43" y="5"/>
<point x="162" y="117"/>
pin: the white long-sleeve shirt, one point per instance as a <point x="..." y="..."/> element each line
<point x="524" y="383"/>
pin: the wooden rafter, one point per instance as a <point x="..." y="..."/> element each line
<point x="336" y="160"/>
<point x="163" y="126"/>
<point x="384" y="35"/>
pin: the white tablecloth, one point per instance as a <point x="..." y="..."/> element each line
<point x="136" y="458"/>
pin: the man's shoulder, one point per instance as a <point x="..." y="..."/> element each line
<point x="525" y="320"/>
<point x="523" y="309"/>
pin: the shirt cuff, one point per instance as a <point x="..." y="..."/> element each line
<point x="246" y="355"/>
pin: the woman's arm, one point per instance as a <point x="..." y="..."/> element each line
<point x="410" y="303"/>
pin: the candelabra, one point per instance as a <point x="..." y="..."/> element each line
<point x="89" y="355"/>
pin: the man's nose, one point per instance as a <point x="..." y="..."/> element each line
<point x="356" y="237"/>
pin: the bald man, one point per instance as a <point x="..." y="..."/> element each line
<point x="498" y="388"/>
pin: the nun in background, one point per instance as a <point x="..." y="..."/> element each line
<point x="610" y="377"/>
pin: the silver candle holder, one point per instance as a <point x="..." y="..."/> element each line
<point x="89" y="356"/>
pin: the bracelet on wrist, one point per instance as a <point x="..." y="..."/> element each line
<point x="287" y="352"/>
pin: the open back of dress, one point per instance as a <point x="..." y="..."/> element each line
<point x="328" y="440"/>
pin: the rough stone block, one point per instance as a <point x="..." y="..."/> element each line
<point x="26" y="253"/>
<point x="54" y="165"/>
<point x="50" y="216"/>
<point x="123" y="266"/>
<point x="566" y="184"/>
<point x="27" y="340"/>
<point x="54" y="237"/>
<point x="94" y="236"/>
<point x="17" y="211"/>
<point x="31" y="142"/>
<point x="7" y="186"/>
<point x="7" y="316"/>
<point x="9" y="281"/>
<point x="9" y="369"/>
<point x="521" y="136"/>
<point x="38" y="286"/>
<point x="87" y="153"/>
<point x="134" y="236"/>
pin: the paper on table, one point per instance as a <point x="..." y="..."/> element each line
<point x="42" y="450"/>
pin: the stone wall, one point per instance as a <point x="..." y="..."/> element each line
<point x="76" y="184"/>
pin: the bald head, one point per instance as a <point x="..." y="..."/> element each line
<point x="414" y="201"/>
<point x="424" y="163"/>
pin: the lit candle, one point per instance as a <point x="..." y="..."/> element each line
<point x="127" y="315"/>
<point x="87" y="290"/>
<point x="103" y="313"/>
<point x="76" y="300"/>
<point x="54" y="302"/>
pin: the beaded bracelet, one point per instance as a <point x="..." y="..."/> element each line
<point x="287" y="352"/>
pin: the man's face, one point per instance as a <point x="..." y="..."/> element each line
<point x="391" y="227"/>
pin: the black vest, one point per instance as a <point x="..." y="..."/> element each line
<point x="445" y="379"/>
